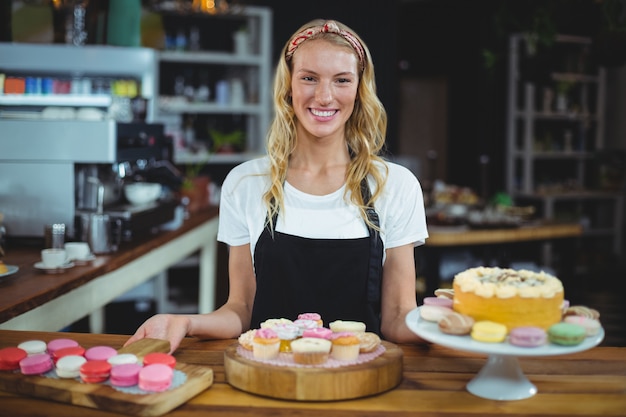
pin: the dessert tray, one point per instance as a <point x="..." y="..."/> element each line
<point x="501" y="378"/>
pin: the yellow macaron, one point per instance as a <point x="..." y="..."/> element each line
<point x="489" y="331"/>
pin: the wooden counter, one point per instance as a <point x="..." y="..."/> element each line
<point x="590" y="383"/>
<point x="33" y="300"/>
<point x="464" y="237"/>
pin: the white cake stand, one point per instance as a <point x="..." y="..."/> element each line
<point x="501" y="378"/>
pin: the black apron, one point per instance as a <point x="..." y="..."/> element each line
<point x="338" y="278"/>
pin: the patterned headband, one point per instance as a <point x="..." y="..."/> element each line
<point x="329" y="26"/>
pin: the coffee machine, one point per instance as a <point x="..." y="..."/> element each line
<point x="51" y="142"/>
<point x="144" y="154"/>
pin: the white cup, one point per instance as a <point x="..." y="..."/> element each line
<point x="53" y="257"/>
<point x="77" y="250"/>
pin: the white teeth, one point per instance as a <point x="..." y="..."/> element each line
<point x="326" y="113"/>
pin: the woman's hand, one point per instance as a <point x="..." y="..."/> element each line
<point x="170" y="327"/>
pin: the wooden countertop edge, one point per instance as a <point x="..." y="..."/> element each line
<point x="79" y="275"/>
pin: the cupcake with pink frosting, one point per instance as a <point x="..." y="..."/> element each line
<point x="312" y="316"/>
<point x="266" y="344"/>
<point x="319" y="332"/>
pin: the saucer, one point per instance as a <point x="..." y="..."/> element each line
<point x="85" y="260"/>
<point x="53" y="269"/>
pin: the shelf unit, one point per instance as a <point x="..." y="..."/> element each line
<point x="554" y="143"/>
<point x="218" y="60"/>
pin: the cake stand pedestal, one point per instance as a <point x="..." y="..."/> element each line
<point x="501" y="378"/>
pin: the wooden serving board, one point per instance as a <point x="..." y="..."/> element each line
<point x="105" y="397"/>
<point x="315" y="384"/>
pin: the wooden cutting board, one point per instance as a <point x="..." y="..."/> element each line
<point x="105" y="397"/>
<point x="315" y="384"/>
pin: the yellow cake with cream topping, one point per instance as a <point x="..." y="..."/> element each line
<point x="510" y="297"/>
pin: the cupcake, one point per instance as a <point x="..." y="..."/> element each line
<point x="265" y="344"/>
<point x="304" y="324"/>
<point x="287" y="332"/>
<point x="312" y="316"/>
<point x="245" y="339"/>
<point x="347" y="326"/>
<point x="345" y="346"/>
<point x="310" y="350"/>
<point x="270" y="323"/>
<point x="319" y="332"/>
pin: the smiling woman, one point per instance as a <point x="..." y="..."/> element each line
<point x="333" y="215"/>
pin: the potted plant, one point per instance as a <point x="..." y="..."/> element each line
<point x="194" y="191"/>
<point x="227" y="142"/>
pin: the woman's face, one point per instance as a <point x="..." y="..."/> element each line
<point x="324" y="86"/>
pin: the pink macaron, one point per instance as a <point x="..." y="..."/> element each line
<point x="438" y="301"/>
<point x="434" y="313"/>
<point x="100" y="353"/>
<point x="61" y="343"/>
<point x="37" y="364"/>
<point x="156" y="377"/>
<point x="528" y="336"/>
<point x="125" y="375"/>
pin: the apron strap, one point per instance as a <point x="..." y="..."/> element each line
<point x="374" y="279"/>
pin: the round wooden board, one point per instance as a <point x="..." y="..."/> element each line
<point x="315" y="384"/>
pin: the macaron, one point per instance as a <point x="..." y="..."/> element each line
<point x="159" y="357"/>
<point x="33" y="347"/>
<point x="60" y="343"/>
<point x="566" y="334"/>
<point x="434" y="313"/>
<point x="95" y="371"/>
<point x="100" y="353"/>
<point x="156" y="377"/>
<point x="528" y="336"/>
<point x="72" y="350"/>
<point x="488" y="331"/>
<point x="68" y="366"/>
<point x="125" y="375"/>
<point x="592" y="326"/>
<point x="37" y="364"/>
<point x="10" y="358"/>
<point x="438" y="301"/>
<point x="123" y="359"/>
<point x="456" y="324"/>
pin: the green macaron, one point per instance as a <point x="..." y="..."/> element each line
<point x="566" y="334"/>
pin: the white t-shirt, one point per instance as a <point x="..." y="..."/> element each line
<point x="242" y="211"/>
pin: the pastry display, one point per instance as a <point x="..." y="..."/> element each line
<point x="510" y="297"/>
<point x="342" y="343"/>
<point x="522" y="308"/>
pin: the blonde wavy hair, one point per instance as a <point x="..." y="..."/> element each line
<point x="365" y="129"/>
